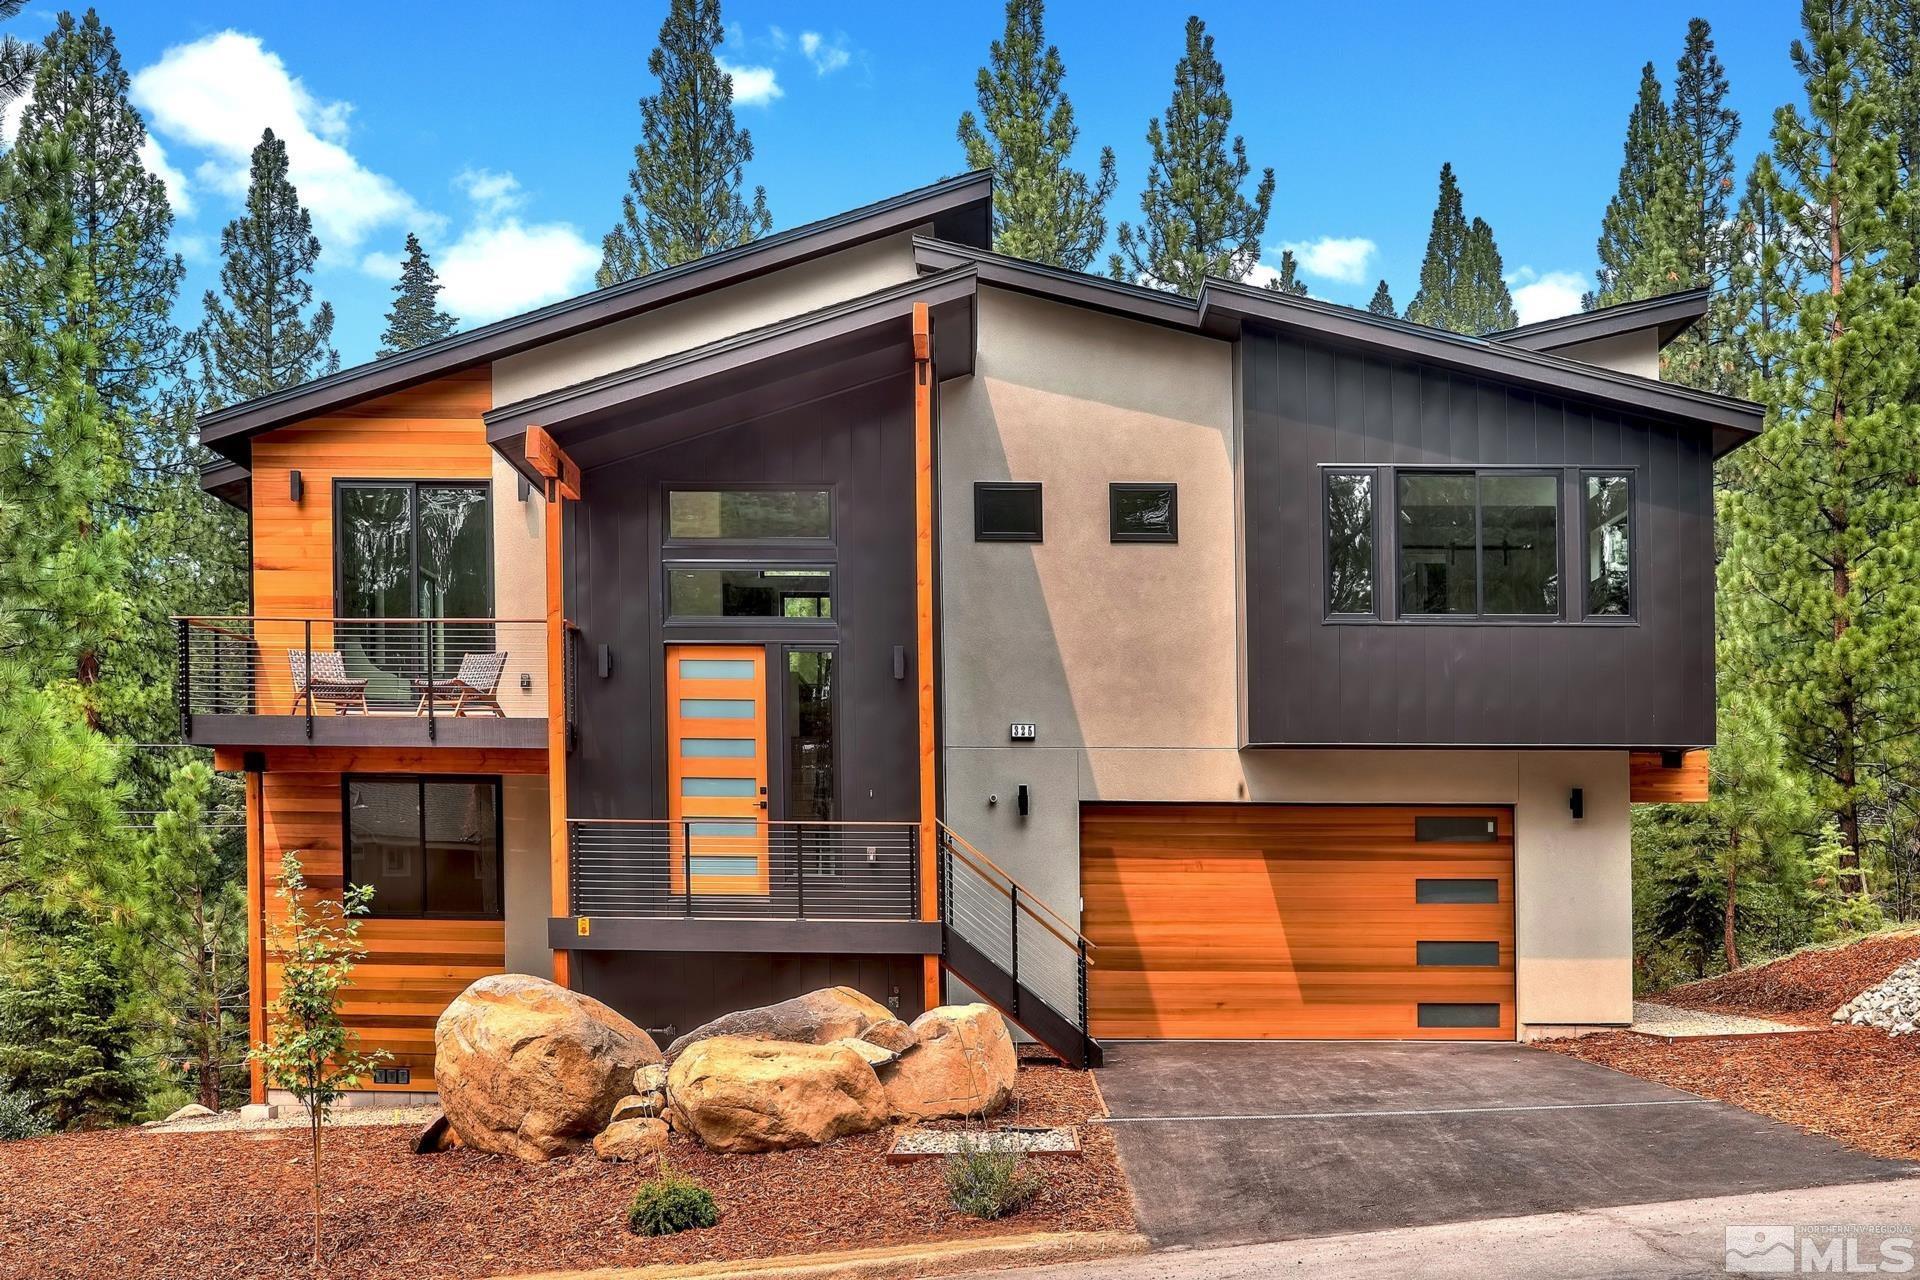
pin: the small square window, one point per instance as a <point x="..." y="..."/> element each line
<point x="1006" y="511"/>
<point x="1144" y="512"/>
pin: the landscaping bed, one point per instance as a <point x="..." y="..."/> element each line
<point x="1805" y="987"/>
<point x="204" y="1205"/>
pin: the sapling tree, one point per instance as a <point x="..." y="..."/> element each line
<point x="309" y="1051"/>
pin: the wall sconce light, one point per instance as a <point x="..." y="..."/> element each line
<point x="526" y="488"/>
<point x="526" y="682"/>
<point x="1026" y="804"/>
<point x="1577" y="804"/>
<point x="606" y="661"/>
<point x="294" y="486"/>
<point x="899" y="662"/>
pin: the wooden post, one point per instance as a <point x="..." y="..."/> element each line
<point x="562" y="482"/>
<point x="256" y="928"/>
<point x="923" y="528"/>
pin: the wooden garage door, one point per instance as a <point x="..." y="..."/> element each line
<point x="1298" y="921"/>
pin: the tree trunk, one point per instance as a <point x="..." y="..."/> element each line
<point x="313" y="1125"/>
<point x="1733" y="865"/>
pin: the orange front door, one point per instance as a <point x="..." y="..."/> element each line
<point x="717" y="767"/>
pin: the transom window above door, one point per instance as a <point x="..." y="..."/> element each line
<point x="749" y="515"/>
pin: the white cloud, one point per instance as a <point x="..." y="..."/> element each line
<point x="1261" y="275"/>
<point x="218" y="93"/>
<point x="1338" y="258"/>
<point x="499" y="268"/>
<point x="10" y="114"/>
<point x="1546" y="295"/>
<point x="826" y="57"/>
<point x="494" y="193"/>
<point x="752" y="86"/>
<point x="154" y="156"/>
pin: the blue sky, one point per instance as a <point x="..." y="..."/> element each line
<point x="504" y="135"/>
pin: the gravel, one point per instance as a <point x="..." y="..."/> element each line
<point x="1652" y="1018"/>
<point x="1893" y="1005"/>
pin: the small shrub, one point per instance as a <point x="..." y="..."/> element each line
<point x="670" y="1203"/>
<point x="984" y="1183"/>
<point x="19" y="1118"/>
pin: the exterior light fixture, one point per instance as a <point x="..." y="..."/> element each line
<point x="294" y="486"/>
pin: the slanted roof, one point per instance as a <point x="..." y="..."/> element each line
<point x="958" y="209"/>
<point x="1669" y="315"/>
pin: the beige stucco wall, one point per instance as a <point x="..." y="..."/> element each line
<point x="523" y="819"/>
<point x="682" y="326"/>
<point x="520" y="590"/>
<point x="1637" y="353"/>
<point x="1125" y="656"/>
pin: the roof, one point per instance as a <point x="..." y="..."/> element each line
<point x="958" y="209"/>
<point x="1669" y="315"/>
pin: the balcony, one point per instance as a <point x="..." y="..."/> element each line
<point x="455" y="682"/>
<point x="705" y="885"/>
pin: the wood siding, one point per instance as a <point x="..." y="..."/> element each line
<point x="1284" y="921"/>
<point x="1646" y="683"/>
<point x="1651" y="782"/>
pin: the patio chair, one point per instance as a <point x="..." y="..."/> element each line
<point x="475" y="687"/>
<point x="327" y="682"/>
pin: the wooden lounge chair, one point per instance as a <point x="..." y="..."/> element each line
<point x="475" y="687"/>
<point x="328" y="682"/>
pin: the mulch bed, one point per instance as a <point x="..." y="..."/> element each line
<point x="200" y="1206"/>
<point x="1805" y="987"/>
<point x="1857" y="1085"/>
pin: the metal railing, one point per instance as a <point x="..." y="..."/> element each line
<point x="424" y="668"/>
<point x="714" y="868"/>
<point x="1039" y="950"/>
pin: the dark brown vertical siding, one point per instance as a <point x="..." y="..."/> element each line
<point x="1645" y="684"/>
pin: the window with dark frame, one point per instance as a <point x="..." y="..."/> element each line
<point x="761" y="592"/>
<point x="749" y="515"/>
<point x="1607" y="504"/>
<point x="1006" y="511"/>
<point x="1349" y="510"/>
<point x="428" y="846"/>
<point x="1143" y="512"/>
<point x="1478" y="543"/>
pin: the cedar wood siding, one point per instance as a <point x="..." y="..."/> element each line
<point x="1647" y="684"/>
<point x="429" y="432"/>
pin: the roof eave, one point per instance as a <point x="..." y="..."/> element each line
<point x="1668" y="315"/>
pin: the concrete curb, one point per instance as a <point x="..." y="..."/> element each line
<point x="888" y="1262"/>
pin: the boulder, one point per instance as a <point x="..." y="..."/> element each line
<point x="818" y="1017"/>
<point x="192" y="1111"/>
<point x="635" y="1106"/>
<point x="876" y="1056"/>
<point x="737" y="1094"/>
<point x="892" y="1034"/>
<point x="437" y="1136"/>
<point x="651" y="1078"/>
<point x="528" y="1068"/>
<point x="964" y="1064"/>
<point x="637" y="1139"/>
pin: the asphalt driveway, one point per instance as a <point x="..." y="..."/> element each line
<point x="1233" y="1143"/>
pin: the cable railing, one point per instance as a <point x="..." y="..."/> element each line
<point x="426" y="669"/>
<point x="718" y="868"/>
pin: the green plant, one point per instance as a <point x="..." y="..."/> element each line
<point x="984" y="1183"/>
<point x="668" y="1203"/>
<point x="19" y="1118"/>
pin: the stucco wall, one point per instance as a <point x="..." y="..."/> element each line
<point x="1637" y="353"/>
<point x="523" y="819"/>
<point x="682" y="326"/>
<point x="1125" y="656"/>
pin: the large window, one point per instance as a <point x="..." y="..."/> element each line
<point x="428" y="847"/>
<point x="1478" y="544"/>
<point x="749" y="515"/>
<point x="1609" y="544"/>
<point x="756" y="591"/>
<point x="1350" y="538"/>
<point x="414" y="550"/>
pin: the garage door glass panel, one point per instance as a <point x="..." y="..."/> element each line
<point x="1459" y="1016"/>
<point x="1451" y="892"/>
<point x="1449" y="829"/>
<point x="1457" y="953"/>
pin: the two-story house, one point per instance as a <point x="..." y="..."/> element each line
<point x="861" y="606"/>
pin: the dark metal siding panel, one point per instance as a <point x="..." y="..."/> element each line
<point x="860" y="442"/>
<point x="1573" y="684"/>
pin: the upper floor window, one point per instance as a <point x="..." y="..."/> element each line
<point x="749" y="515"/>
<point x="1478" y="543"/>
<point x="429" y="847"/>
<point x="1350" y="543"/>
<point x="413" y="549"/>
<point x="1143" y="512"/>
<point x="1006" y="511"/>
<point x="1609" y="543"/>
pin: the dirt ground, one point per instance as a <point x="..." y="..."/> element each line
<point x="1855" y="1084"/>
<point x="127" y="1203"/>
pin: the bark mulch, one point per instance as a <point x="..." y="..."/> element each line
<point x="1805" y="987"/>
<point x="221" y="1205"/>
<point x="1857" y="1085"/>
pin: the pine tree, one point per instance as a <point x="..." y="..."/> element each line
<point x="1381" y="304"/>
<point x="1643" y="232"/>
<point x="1823" y="602"/>
<point x="64" y="1040"/>
<point x="1704" y="131"/>
<point x="1196" y="221"/>
<point x="1893" y="26"/>
<point x="17" y="57"/>
<point x="1044" y="210"/>
<point x="1462" y="286"/>
<point x="258" y="335"/>
<point x="685" y="198"/>
<point x="1287" y="279"/>
<point x="416" y="318"/>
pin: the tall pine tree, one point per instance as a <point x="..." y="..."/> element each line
<point x="1044" y="210"/>
<point x="416" y="318"/>
<point x="1287" y="279"/>
<point x="1196" y="220"/>
<point x="1381" y="304"/>
<point x="686" y="193"/>
<point x="1462" y="287"/>
<point x="16" y="56"/>
<point x="1822" y="598"/>
<point x="1705" y="129"/>
<point x="1643" y="231"/>
<point x="259" y="335"/>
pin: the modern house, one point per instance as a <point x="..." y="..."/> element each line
<point x="861" y="606"/>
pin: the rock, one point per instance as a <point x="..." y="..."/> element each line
<point x="635" y="1106"/>
<point x="528" y="1068"/>
<point x="964" y="1064"/>
<point x="258" y="1112"/>
<point x="876" y="1056"/>
<point x="738" y="1094"/>
<point x="892" y="1034"/>
<point x="819" y="1017"/>
<point x="1893" y="1005"/>
<point x="437" y="1136"/>
<point x="192" y="1111"/>
<point x="651" y="1078"/>
<point x="637" y="1139"/>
